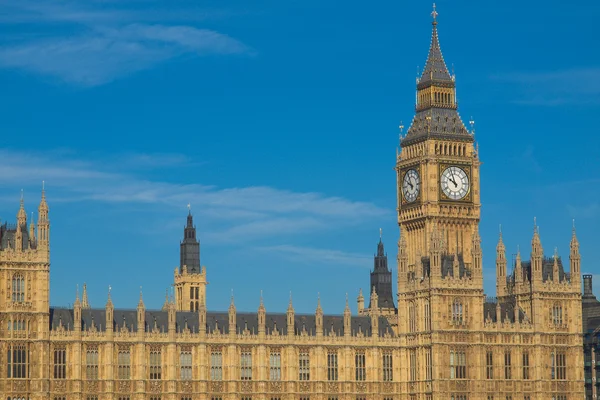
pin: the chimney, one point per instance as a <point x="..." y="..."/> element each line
<point x="587" y="287"/>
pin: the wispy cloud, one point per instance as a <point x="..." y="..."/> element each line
<point x="236" y="212"/>
<point x="311" y="255"/>
<point x="585" y="211"/>
<point x="554" y="88"/>
<point x="104" y="45"/>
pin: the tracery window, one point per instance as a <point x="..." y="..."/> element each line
<point x="428" y="365"/>
<point x="557" y="315"/>
<point x="559" y="365"/>
<point x="155" y="364"/>
<point x="388" y="367"/>
<point x="458" y="365"/>
<point x="489" y="365"/>
<point x="275" y="366"/>
<point x="359" y="366"/>
<point x="525" y="365"/>
<point x="18" y="288"/>
<point x="457" y="312"/>
<point x="507" y="365"/>
<point x="427" y="316"/>
<point x="246" y="366"/>
<point x="216" y="365"/>
<point x="412" y="317"/>
<point x="185" y="365"/>
<point x="304" y="366"/>
<point x="124" y="364"/>
<point x="91" y="364"/>
<point x="332" y="365"/>
<point x="17" y="358"/>
<point x="413" y="364"/>
<point x="60" y="363"/>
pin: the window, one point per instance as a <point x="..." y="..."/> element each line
<point x="124" y="364"/>
<point x="126" y="398"/>
<point x="560" y="397"/>
<point x="458" y="397"/>
<point x="275" y="366"/>
<point x="212" y="398"/>
<point x="490" y="397"/>
<point x="413" y="364"/>
<point x="153" y="398"/>
<point x="359" y="366"/>
<point x="93" y="397"/>
<point x="17" y="325"/>
<point x="155" y="364"/>
<point x="412" y="317"/>
<point x="17" y="361"/>
<point x="216" y="366"/>
<point x="388" y="367"/>
<point x="525" y="365"/>
<point x="18" y="288"/>
<point x="427" y="316"/>
<point x="91" y="364"/>
<point x="58" y="398"/>
<point x="489" y="365"/>
<point x="457" y="312"/>
<point x="557" y="315"/>
<point x="458" y="366"/>
<point x="247" y="398"/>
<point x="428" y="365"/>
<point x="304" y="366"/>
<point x="507" y="365"/>
<point x="332" y="365"/>
<point x="185" y="365"/>
<point x="509" y="397"/>
<point x="60" y="363"/>
<point x="527" y="397"/>
<point x="559" y="365"/>
<point x="305" y="398"/>
<point x="246" y="366"/>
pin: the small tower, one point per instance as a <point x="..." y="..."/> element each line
<point x="20" y="235"/>
<point x="232" y="317"/>
<point x="77" y="313"/>
<point x="575" y="259"/>
<point x="290" y="318"/>
<point x="374" y="313"/>
<point x="319" y="318"/>
<point x="518" y="267"/>
<point x="110" y="310"/>
<point x="477" y="255"/>
<point x="360" y="300"/>
<point x="189" y="277"/>
<point x="537" y="256"/>
<point x="555" y="271"/>
<point x="347" y="319"/>
<point x="202" y="319"/>
<point x="402" y="261"/>
<point x="381" y="278"/>
<point x="32" y="243"/>
<point x="262" y="317"/>
<point x="43" y="236"/>
<point x="435" y="253"/>
<point x="500" y="267"/>
<point x="141" y="316"/>
<point x="85" y="304"/>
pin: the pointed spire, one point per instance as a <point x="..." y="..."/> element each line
<point x="43" y="205"/>
<point x="22" y="215"/>
<point x="166" y="304"/>
<point x="85" y="304"/>
<point x="435" y="66"/>
<point x="109" y="303"/>
<point x="319" y="309"/>
<point x="347" y="308"/>
<point x="141" y="302"/>
<point x="77" y="301"/>
<point x="518" y="266"/>
<point x="290" y="305"/>
<point x="31" y="228"/>
<point x="232" y="303"/>
<point x="574" y="241"/>
<point x="261" y="307"/>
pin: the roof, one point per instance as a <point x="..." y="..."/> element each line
<point x="435" y="66"/>
<point x="215" y="321"/>
<point x="507" y="310"/>
<point x="547" y="270"/>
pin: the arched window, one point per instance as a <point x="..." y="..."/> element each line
<point x="412" y="317"/>
<point x="557" y="314"/>
<point x="18" y="288"/>
<point x="457" y="312"/>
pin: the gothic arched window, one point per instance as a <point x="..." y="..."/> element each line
<point x="457" y="312"/>
<point x="18" y="288"/>
<point x="557" y="314"/>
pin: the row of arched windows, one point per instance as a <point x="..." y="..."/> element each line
<point x="18" y="288"/>
<point x="451" y="149"/>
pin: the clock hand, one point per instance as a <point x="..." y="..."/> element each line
<point x="453" y="179"/>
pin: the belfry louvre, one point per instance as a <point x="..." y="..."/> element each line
<point x="440" y="337"/>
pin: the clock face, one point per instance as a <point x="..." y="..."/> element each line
<point x="411" y="185"/>
<point x="455" y="183"/>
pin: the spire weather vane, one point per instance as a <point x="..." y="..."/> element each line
<point x="472" y="123"/>
<point x="434" y="13"/>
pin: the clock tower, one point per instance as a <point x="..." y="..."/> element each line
<point x="437" y="168"/>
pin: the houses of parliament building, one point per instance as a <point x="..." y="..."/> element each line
<point x="439" y="338"/>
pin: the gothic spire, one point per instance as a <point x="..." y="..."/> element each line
<point x="85" y="304"/>
<point x="189" y="247"/>
<point x="22" y="215"/>
<point x="435" y="66"/>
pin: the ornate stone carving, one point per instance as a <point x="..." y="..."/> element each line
<point x="246" y="387"/>
<point x="275" y="386"/>
<point x="217" y="387"/>
<point x="332" y="387"/>
<point x="60" y="385"/>
<point x="124" y="386"/>
<point x="187" y="386"/>
<point x="388" y="387"/>
<point x="304" y="387"/>
<point x="19" y="386"/>
<point x="92" y="386"/>
<point x="155" y="386"/>
<point x="361" y="387"/>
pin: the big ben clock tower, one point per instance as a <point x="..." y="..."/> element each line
<point x="438" y="168"/>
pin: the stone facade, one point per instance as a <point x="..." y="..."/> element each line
<point x="440" y="338"/>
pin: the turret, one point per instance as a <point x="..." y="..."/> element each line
<point x="232" y="317"/>
<point x="402" y="262"/>
<point x="374" y="313"/>
<point x="360" y="301"/>
<point x="141" y="316"/>
<point x="500" y="267"/>
<point x="537" y="256"/>
<point x="319" y="318"/>
<point x="190" y="248"/>
<point x="575" y="259"/>
<point x="85" y="304"/>
<point x="290" y="318"/>
<point x="77" y="313"/>
<point x="172" y="316"/>
<point x="476" y="254"/>
<point x="555" y="271"/>
<point x="347" y="319"/>
<point x="43" y="236"/>
<point x="435" y="253"/>
<point x="262" y="317"/>
<point x="202" y="319"/>
<point x="110" y="310"/>
<point x="32" y="233"/>
<point x="381" y="277"/>
<point x="21" y="226"/>
<point x="518" y="267"/>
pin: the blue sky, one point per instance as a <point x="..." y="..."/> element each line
<point x="278" y="122"/>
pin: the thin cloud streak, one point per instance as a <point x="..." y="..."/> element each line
<point x="555" y="88"/>
<point x="311" y="255"/>
<point x="107" y="45"/>
<point x="237" y="213"/>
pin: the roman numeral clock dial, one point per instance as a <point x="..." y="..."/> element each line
<point x="411" y="185"/>
<point x="455" y="183"/>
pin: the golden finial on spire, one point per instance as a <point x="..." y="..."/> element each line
<point x="434" y="14"/>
